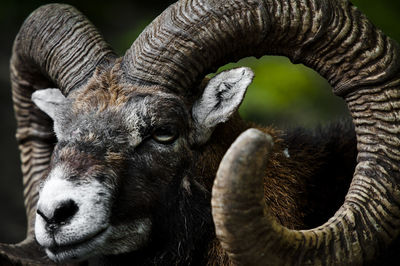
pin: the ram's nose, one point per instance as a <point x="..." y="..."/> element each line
<point x="58" y="214"/>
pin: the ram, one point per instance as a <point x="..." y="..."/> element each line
<point x="119" y="155"/>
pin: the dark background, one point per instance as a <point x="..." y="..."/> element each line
<point x="281" y="94"/>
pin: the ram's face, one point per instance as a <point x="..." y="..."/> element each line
<point x="118" y="155"/>
<point x="109" y="169"/>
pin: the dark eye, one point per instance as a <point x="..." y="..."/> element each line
<point x="165" y="134"/>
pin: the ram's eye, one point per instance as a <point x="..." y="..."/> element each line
<point x="165" y="134"/>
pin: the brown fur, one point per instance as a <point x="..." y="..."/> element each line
<point x="105" y="90"/>
<point x="102" y="91"/>
<point x="281" y="176"/>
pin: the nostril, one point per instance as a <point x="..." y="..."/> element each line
<point x="60" y="215"/>
<point x="63" y="212"/>
<point x="47" y="219"/>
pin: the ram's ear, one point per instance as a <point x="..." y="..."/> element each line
<point x="49" y="101"/>
<point x="221" y="98"/>
<point x="53" y="103"/>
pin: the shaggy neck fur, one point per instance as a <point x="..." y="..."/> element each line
<point x="183" y="229"/>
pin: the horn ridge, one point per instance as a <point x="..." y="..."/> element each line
<point x="324" y="35"/>
<point x="56" y="47"/>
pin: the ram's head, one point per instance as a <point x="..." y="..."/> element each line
<point x="121" y="152"/>
<point x="126" y="129"/>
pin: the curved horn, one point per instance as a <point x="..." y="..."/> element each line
<point x="193" y="37"/>
<point x="240" y="179"/>
<point x="56" y="47"/>
<point x="252" y="236"/>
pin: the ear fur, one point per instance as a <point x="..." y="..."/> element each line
<point x="51" y="102"/>
<point x="221" y="98"/>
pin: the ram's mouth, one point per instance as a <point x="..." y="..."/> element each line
<point x="78" y="250"/>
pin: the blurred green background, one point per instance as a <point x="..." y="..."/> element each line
<point x="282" y="94"/>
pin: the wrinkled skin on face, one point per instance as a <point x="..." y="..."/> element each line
<point x="120" y="177"/>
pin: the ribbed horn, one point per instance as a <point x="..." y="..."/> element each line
<point x="194" y="37"/>
<point x="242" y="171"/>
<point x="252" y="236"/>
<point x="56" y="47"/>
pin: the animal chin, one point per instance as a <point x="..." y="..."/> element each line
<point x="78" y="250"/>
